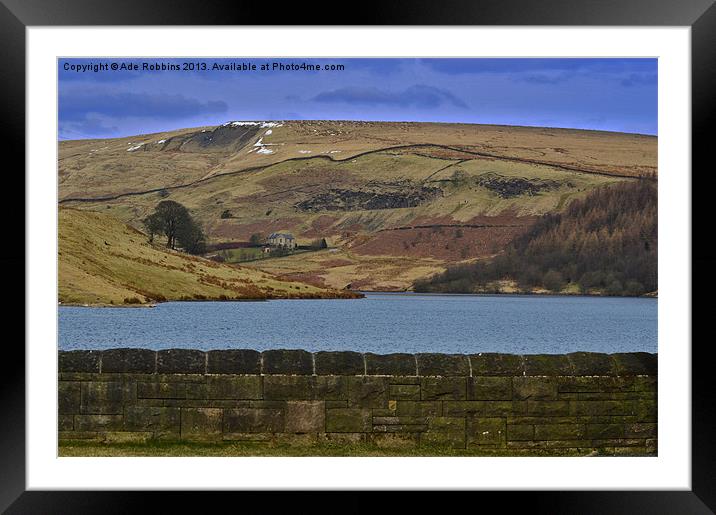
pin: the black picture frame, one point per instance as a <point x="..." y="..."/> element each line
<point x="700" y="15"/>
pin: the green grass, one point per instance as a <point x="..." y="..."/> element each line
<point x="269" y="449"/>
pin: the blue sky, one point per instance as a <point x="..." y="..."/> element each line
<point x="603" y="94"/>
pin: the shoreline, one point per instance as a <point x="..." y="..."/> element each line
<point x="363" y="293"/>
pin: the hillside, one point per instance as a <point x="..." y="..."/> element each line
<point x="395" y="201"/>
<point x="104" y="261"/>
<point x="605" y="243"/>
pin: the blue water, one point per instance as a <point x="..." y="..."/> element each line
<point x="380" y="323"/>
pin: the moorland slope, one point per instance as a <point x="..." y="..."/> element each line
<point x="395" y="201"/>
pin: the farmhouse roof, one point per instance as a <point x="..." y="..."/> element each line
<point x="279" y="234"/>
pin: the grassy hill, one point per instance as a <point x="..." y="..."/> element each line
<point x="104" y="261"/>
<point x="396" y="201"/>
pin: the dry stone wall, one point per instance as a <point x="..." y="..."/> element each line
<point x="580" y="403"/>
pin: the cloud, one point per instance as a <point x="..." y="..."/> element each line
<point x="78" y="105"/>
<point x="414" y="96"/>
<point x="89" y="126"/>
<point x="539" y="65"/>
<point x="543" y="78"/>
<point x="639" y="79"/>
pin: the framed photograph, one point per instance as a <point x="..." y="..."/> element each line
<point x="429" y="251"/>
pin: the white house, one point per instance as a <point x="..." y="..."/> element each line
<point x="279" y="239"/>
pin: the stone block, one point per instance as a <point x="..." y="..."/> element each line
<point x="602" y="431"/>
<point x="547" y="365"/>
<point x="462" y="408"/>
<point x="305" y="417"/>
<point x="287" y="362"/>
<point x="201" y="423"/>
<point x="548" y="408"/>
<point x="397" y="428"/>
<point x="404" y="380"/>
<point x="485" y="431"/>
<point x="518" y="432"/>
<point x="65" y="422"/>
<point x="106" y="398"/>
<point x="233" y="361"/>
<point x="98" y="423"/>
<point x="68" y="397"/>
<point x="404" y="392"/>
<point x="646" y="384"/>
<point x="399" y="364"/>
<point x="79" y="361"/>
<point x="160" y="421"/>
<point x="595" y="384"/>
<point x="503" y="408"/>
<point x="140" y="361"/>
<point x="181" y="361"/>
<point x="289" y="387"/>
<point x="635" y="364"/>
<point x="534" y="388"/>
<point x="418" y="408"/>
<point x="444" y="365"/>
<point x="489" y="388"/>
<point x="160" y="390"/>
<point x="645" y="410"/>
<point x="493" y="364"/>
<point x="602" y="408"/>
<point x="592" y="364"/>
<point x="399" y="421"/>
<point x="339" y="363"/>
<point x="368" y="392"/>
<point x="443" y="388"/>
<point x="253" y="420"/>
<point x="641" y="430"/>
<point x="560" y="432"/>
<point x="234" y="387"/>
<point x="333" y="388"/>
<point x="348" y="420"/>
<point x="451" y="424"/>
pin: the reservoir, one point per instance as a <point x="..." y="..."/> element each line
<point x="381" y="323"/>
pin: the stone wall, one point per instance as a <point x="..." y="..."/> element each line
<point x="580" y="403"/>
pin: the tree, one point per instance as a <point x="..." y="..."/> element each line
<point x="553" y="281"/>
<point x="256" y="239"/>
<point x="153" y="224"/>
<point x="191" y="238"/>
<point x="174" y="221"/>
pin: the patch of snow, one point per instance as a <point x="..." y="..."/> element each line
<point x="132" y="149"/>
<point x="263" y="125"/>
<point x="335" y="151"/>
<point x="264" y="150"/>
<point x="162" y="141"/>
<point x="268" y="132"/>
<point x="259" y="143"/>
<point x="304" y="151"/>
